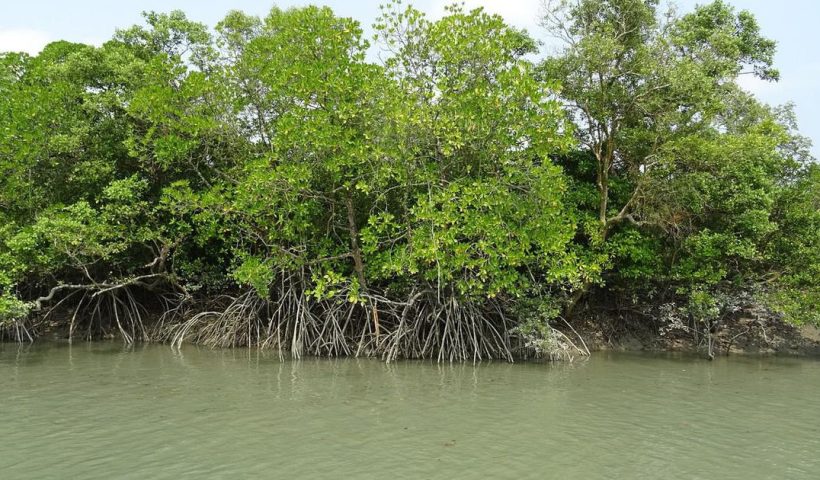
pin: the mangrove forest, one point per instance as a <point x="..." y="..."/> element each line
<point x="445" y="188"/>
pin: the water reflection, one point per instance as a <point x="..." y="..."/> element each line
<point x="104" y="410"/>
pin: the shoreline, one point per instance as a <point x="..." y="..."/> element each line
<point x="741" y="336"/>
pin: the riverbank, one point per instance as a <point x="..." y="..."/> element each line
<point x="596" y="332"/>
<point x="739" y="335"/>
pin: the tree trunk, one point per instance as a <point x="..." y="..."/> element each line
<point x="604" y="160"/>
<point x="356" y="253"/>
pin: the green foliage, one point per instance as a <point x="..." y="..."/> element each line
<point x="794" y="250"/>
<point x="255" y="272"/>
<point x="456" y="180"/>
<point x="687" y="168"/>
<point x="12" y="309"/>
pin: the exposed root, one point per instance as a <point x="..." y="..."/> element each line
<point x="16" y="330"/>
<point x="104" y="310"/>
<point x="291" y="321"/>
<point x="446" y="329"/>
<point x="427" y="324"/>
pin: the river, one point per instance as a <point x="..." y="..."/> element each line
<point x="100" y="410"/>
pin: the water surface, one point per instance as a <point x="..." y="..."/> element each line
<point x="103" y="411"/>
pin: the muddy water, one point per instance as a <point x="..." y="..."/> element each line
<point x="103" y="411"/>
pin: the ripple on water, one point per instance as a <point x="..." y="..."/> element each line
<point x="101" y="411"/>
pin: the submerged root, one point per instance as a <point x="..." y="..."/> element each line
<point x="561" y="348"/>
<point x="91" y="312"/>
<point x="110" y="313"/>
<point x="294" y="322"/>
<point x="290" y="321"/>
<point x="426" y="324"/>
<point x="540" y="339"/>
<point x="447" y="329"/>
<point x="16" y="330"/>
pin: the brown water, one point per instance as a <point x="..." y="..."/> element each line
<point x="102" y="411"/>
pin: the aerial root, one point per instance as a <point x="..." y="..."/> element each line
<point x="426" y="324"/>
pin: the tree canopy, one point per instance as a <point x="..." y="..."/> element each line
<point x="265" y="182"/>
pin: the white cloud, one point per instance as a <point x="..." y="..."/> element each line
<point x="23" y="40"/>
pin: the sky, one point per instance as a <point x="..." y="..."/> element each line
<point x="30" y="24"/>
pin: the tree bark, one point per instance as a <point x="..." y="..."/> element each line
<point x="355" y="250"/>
<point x="356" y="253"/>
